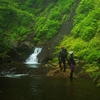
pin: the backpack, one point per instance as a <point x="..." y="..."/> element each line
<point x="63" y="53"/>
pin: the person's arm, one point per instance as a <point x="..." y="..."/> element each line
<point x="68" y="62"/>
<point x="59" y="56"/>
<point x="74" y="61"/>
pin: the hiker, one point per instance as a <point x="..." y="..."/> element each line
<point x="71" y="63"/>
<point x="62" y="57"/>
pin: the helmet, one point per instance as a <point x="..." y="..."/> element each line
<point x="62" y="47"/>
<point x="71" y="52"/>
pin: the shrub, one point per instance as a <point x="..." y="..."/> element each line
<point x="93" y="56"/>
<point x="94" y="43"/>
<point x="54" y="14"/>
<point x="83" y="53"/>
<point x="36" y="39"/>
<point x="88" y="33"/>
<point x="79" y="45"/>
<point x="85" y="6"/>
<point x="76" y="31"/>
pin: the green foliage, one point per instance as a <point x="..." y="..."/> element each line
<point x="32" y="6"/>
<point x="65" y="6"/>
<point x="95" y="42"/>
<point x="52" y="27"/>
<point x="49" y="27"/>
<point x="54" y="14"/>
<point x="55" y="60"/>
<point x="86" y="20"/>
<point x="78" y="19"/>
<point x="88" y="33"/>
<point x="49" y="21"/>
<point x="17" y="18"/>
<point x="64" y="18"/>
<point x="96" y="76"/>
<point x="38" y="27"/>
<point x="91" y="68"/>
<point x="98" y="84"/>
<point x="50" y="5"/>
<point x="87" y="51"/>
<point x="79" y="45"/>
<point x="4" y="45"/>
<point x="86" y="28"/>
<point x="22" y="31"/>
<point x="15" y="24"/>
<point x="36" y="39"/>
<point x="85" y="6"/>
<point x="92" y="56"/>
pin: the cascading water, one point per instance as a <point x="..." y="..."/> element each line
<point x="11" y="73"/>
<point x="33" y="57"/>
<point x="32" y="62"/>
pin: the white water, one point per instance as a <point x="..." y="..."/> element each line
<point x="11" y="74"/>
<point x="33" y="57"/>
<point x="32" y="62"/>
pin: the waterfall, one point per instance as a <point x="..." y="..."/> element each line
<point x="33" y="57"/>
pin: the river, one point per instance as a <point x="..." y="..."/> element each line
<point x="21" y="82"/>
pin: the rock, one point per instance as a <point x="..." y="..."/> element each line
<point x="57" y="73"/>
<point x="25" y="49"/>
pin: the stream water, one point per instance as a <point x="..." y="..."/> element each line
<point x="28" y="82"/>
<point x="25" y="83"/>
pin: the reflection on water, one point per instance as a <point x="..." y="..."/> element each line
<point x="33" y="65"/>
<point x="47" y="88"/>
<point x="20" y="70"/>
<point x="11" y="74"/>
<point x="38" y="87"/>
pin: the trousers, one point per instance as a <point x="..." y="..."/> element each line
<point x="71" y="74"/>
<point x="64" y="65"/>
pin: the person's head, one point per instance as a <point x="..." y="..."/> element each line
<point x="71" y="53"/>
<point x="62" y="47"/>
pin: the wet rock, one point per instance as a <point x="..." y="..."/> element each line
<point x="57" y="73"/>
<point x="25" y="49"/>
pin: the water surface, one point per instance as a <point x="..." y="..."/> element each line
<point x="35" y="86"/>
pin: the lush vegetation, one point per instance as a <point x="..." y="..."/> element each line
<point x="15" y="24"/>
<point x="18" y="18"/>
<point x="87" y="27"/>
<point x="87" y="53"/>
<point x="87" y="20"/>
<point x="85" y="36"/>
<point x="50" y="20"/>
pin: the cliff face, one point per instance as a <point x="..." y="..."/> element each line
<point x="49" y="47"/>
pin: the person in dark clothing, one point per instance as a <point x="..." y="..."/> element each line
<point x="62" y="57"/>
<point x="72" y="64"/>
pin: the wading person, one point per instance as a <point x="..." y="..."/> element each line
<point x="72" y="64"/>
<point x="62" y="57"/>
